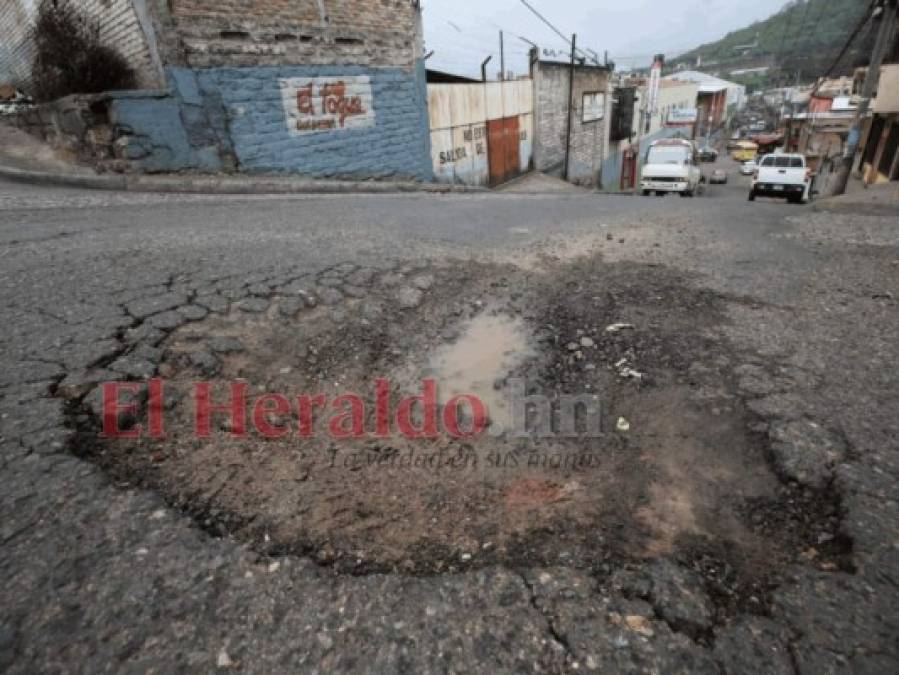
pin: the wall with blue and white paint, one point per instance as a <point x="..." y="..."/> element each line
<point x="246" y="119"/>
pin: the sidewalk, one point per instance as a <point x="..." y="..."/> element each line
<point x="875" y="200"/>
<point x="536" y="182"/>
<point x="26" y="159"/>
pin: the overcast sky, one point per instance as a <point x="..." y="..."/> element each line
<point x="463" y="33"/>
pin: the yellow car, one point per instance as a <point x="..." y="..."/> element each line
<point x="746" y="152"/>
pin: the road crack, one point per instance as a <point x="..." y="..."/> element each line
<point x="555" y="634"/>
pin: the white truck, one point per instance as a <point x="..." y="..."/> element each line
<point x="782" y="175"/>
<point x="671" y="165"/>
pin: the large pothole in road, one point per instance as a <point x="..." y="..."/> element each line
<point x="655" y="457"/>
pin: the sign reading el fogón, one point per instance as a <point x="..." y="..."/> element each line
<point x="327" y="103"/>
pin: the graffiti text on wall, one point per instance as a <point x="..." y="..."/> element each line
<point x="474" y="138"/>
<point x="327" y="103"/>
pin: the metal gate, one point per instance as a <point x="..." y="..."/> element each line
<point x="503" y="138"/>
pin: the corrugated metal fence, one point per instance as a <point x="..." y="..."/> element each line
<point x="481" y="133"/>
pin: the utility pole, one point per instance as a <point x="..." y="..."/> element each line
<point x="794" y="110"/>
<point x="502" y="58"/>
<point x="638" y="155"/>
<point x="570" y="106"/>
<point x="883" y="42"/>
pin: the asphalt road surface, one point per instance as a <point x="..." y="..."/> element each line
<point x="106" y="574"/>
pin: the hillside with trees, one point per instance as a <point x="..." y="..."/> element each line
<point x="803" y="38"/>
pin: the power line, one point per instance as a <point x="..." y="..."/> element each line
<point x="811" y="34"/>
<point x="820" y="16"/>
<point x="855" y="32"/>
<point x="540" y="44"/>
<point x="783" y="41"/>
<point x="808" y="5"/>
<point x="552" y="27"/>
<point x="466" y="39"/>
<point x="484" y="21"/>
<point x="476" y="37"/>
<point x="795" y="49"/>
<point x="471" y="44"/>
<point x="473" y="47"/>
<point x="544" y="19"/>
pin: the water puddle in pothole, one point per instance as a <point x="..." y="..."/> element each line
<point x="489" y="347"/>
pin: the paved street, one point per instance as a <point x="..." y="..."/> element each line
<point x="766" y="333"/>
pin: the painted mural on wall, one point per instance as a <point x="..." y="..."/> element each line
<point x="318" y="104"/>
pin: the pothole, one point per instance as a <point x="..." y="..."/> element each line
<point x="655" y="458"/>
<point x="478" y="358"/>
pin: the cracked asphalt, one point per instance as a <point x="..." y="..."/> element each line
<point x="102" y="576"/>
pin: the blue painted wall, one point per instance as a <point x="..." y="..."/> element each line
<point x="233" y="118"/>
<point x="158" y="138"/>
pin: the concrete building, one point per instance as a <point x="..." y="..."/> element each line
<point x="675" y="108"/>
<point x="880" y="158"/>
<point x="821" y="137"/>
<point x="821" y="124"/>
<point x="718" y="99"/>
<point x="674" y="114"/>
<point x="579" y="111"/>
<point x="879" y="162"/>
<point x="325" y="88"/>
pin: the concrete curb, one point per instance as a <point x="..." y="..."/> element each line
<point x="248" y="185"/>
<point x="64" y="180"/>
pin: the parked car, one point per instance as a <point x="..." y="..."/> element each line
<point x="785" y="176"/>
<point x="748" y="168"/>
<point x="718" y="177"/>
<point x="708" y="154"/>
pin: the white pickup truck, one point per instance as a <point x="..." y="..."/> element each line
<point x="782" y="176"/>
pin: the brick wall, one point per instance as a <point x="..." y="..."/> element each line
<point x="120" y="27"/>
<point x="239" y="69"/>
<point x="227" y="33"/>
<point x="589" y="140"/>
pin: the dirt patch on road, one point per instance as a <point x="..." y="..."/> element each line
<point x="655" y="457"/>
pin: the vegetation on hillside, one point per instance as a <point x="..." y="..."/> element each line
<point x="803" y="38"/>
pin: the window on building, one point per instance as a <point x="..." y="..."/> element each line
<point x="594" y="106"/>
